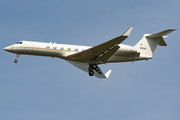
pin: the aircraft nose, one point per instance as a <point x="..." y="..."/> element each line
<point x="8" y="48"/>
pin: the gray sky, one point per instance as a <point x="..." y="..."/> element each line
<point x="45" y="88"/>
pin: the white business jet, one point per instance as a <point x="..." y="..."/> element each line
<point x="88" y="58"/>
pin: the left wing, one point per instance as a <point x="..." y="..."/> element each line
<point x="99" y="50"/>
<point x="85" y="66"/>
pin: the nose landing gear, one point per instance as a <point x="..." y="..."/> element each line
<point x="16" y="60"/>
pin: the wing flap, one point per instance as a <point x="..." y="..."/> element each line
<point x="161" y="35"/>
<point x="108" y="54"/>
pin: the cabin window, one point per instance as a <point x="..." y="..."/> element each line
<point x="62" y="48"/>
<point x="47" y="47"/>
<point x="76" y="49"/>
<point x="69" y="48"/>
<point x="54" y="47"/>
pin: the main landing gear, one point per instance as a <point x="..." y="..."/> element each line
<point x="94" y="67"/>
<point x="16" y="60"/>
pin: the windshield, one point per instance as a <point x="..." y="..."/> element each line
<point x="19" y="43"/>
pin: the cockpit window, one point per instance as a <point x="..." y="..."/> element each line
<point x="19" y="43"/>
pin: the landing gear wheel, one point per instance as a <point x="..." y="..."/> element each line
<point x="91" y="73"/>
<point x="94" y="66"/>
<point x="15" y="61"/>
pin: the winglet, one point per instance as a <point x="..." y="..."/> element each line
<point x="108" y="73"/>
<point x="128" y="31"/>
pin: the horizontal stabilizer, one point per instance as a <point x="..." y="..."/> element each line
<point x="161" y="34"/>
<point x="147" y="45"/>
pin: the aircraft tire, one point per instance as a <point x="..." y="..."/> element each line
<point x="15" y="61"/>
<point x="94" y="66"/>
<point x="91" y="73"/>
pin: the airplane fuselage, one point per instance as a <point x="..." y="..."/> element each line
<point x="124" y="54"/>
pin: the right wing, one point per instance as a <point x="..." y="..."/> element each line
<point x="103" y="51"/>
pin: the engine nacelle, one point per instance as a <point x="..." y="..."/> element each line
<point x="125" y="50"/>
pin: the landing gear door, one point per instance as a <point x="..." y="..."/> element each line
<point x="35" y="47"/>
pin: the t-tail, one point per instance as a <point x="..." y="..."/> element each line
<point x="147" y="45"/>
